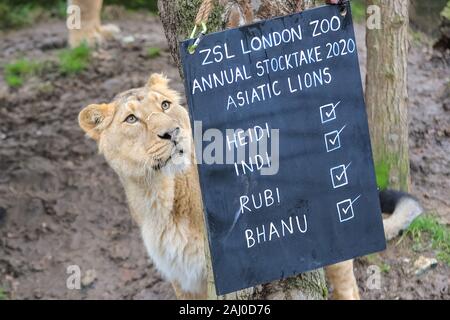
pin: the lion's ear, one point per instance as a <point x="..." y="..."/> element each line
<point x="94" y="118"/>
<point x="158" y="80"/>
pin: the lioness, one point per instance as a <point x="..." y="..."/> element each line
<point x="91" y="30"/>
<point x="145" y="136"/>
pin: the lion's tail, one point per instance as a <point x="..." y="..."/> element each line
<point x="403" y="209"/>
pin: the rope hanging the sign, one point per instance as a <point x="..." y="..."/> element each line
<point x="204" y="11"/>
<point x="201" y="19"/>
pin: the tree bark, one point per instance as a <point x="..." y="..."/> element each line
<point x="178" y="17"/>
<point x="386" y="93"/>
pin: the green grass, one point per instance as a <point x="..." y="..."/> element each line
<point x="384" y="267"/>
<point x="153" y="52"/>
<point x="427" y="230"/>
<point x="375" y="259"/>
<point x="372" y="258"/>
<point x="358" y="10"/>
<point x="17" y="71"/>
<point x="419" y="37"/>
<point x="3" y="295"/>
<point x="416" y="36"/>
<point x="72" y="61"/>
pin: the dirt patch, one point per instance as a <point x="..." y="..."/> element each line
<point x="61" y="205"/>
<point x="429" y="125"/>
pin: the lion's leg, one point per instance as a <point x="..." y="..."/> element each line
<point x="343" y="280"/>
<point x="91" y="31"/>
<point x="183" y="295"/>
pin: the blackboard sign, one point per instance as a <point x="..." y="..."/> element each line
<point x="283" y="147"/>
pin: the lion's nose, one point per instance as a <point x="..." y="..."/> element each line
<point x="170" y="134"/>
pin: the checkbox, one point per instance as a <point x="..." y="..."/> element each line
<point x="332" y="140"/>
<point x="345" y="209"/>
<point x="328" y="112"/>
<point x="339" y="176"/>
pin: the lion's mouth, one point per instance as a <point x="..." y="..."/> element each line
<point x="161" y="163"/>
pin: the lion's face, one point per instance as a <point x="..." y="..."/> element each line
<point x="142" y="130"/>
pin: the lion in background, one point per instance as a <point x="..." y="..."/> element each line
<point x="237" y="13"/>
<point x="91" y="30"/>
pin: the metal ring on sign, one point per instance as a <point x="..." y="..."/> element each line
<point x="199" y="37"/>
<point x="343" y="9"/>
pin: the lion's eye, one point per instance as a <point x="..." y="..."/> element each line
<point x="165" y="105"/>
<point x="131" y="119"/>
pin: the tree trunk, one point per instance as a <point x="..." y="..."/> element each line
<point x="386" y="93"/>
<point x="178" y="18"/>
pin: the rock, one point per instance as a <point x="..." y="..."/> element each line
<point x="36" y="266"/>
<point x="53" y="42"/>
<point x="146" y="294"/>
<point x="120" y="252"/>
<point x="442" y="284"/>
<point x="37" y="294"/>
<point x="446" y="106"/>
<point x="128" y="275"/>
<point x="128" y="39"/>
<point x="423" y="264"/>
<point x="89" y="278"/>
<point x="113" y="85"/>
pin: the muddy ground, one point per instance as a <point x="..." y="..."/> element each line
<point x="61" y="205"/>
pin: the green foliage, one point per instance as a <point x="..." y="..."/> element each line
<point x="14" y="81"/>
<point x="358" y="10"/>
<point x="382" y="170"/>
<point x="384" y="267"/>
<point x="72" y="61"/>
<point x="42" y="3"/>
<point x="21" y="13"/>
<point x="60" y="9"/>
<point x="446" y="12"/>
<point x="151" y="5"/>
<point x="17" y="16"/>
<point x="153" y="52"/>
<point x="134" y="4"/>
<point x="16" y="72"/>
<point x="416" y="36"/>
<point x="428" y="229"/>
